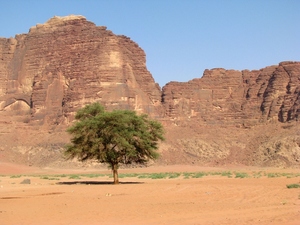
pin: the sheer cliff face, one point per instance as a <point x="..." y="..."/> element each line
<point x="237" y="97"/>
<point x="68" y="62"/>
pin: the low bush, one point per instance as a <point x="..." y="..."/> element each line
<point x="241" y="175"/>
<point x="15" y="176"/>
<point x="74" y="176"/>
<point x="293" y="185"/>
<point x="199" y="175"/>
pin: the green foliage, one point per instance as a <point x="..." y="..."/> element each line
<point x="153" y="176"/>
<point x="287" y="175"/>
<point x="92" y="175"/>
<point x="241" y="175"/>
<point x="226" y="174"/>
<point x="293" y="185"/>
<point x="257" y="174"/>
<point x="199" y="175"/>
<point x="49" y="178"/>
<point x="271" y="175"/>
<point x="62" y="175"/>
<point x="74" y="176"/>
<point x="117" y="137"/>
<point x="158" y="175"/>
<point x="187" y="175"/>
<point x="15" y="176"/>
<point x="128" y="175"/>
<point x="174" y="175"/>
<point x="143" y="176"/>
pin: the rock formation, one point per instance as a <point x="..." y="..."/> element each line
<point x="68" y="62"/>
<point x="227" y="116"/>
<point x="240" y="98"/>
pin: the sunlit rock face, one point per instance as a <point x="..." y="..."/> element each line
<point x="235" y="117"/>
<point x="233" y="97"/>
<point x="224" y="117"/>
<point x="68" y="62"/>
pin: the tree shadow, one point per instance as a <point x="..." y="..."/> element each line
<point x="94" y="182"/>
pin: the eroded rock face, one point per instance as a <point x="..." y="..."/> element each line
<point x="225" y="117"/>
<point x="69" y="62"/>
<point x="242" y="98"/>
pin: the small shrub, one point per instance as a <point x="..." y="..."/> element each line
<point x="241" y="175"/>
<point x="15" y="176"/>
<point x="187" y="175"/>
<point x="53" y="178"/>
<point x="74" y="177"/>
<point x="226" y="174"/>
<point x="174" y="175"/>
<point x="93" y="175"/>
<point x="128" y="175"/>
<point x="271" y="175"/>
<point x="293" y="185"/>
<point x="199" y="175"/>
<point x="132" y="175"/>
<point x="158" y="176"/>
<point x="257" y="174"/>
<point x="284" y="202"/>
<point x="122" y="175"/>
<point x="215" y="173"/>
<point x="49" y="178"/>
<point x="291" y="175"/>
<point x="60" y="175"/>
<point x="143" y="176"/>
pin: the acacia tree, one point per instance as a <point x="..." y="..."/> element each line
<point x="117" y="137"/>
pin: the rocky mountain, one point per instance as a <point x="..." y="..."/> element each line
<point x="225" y="117"/>
<point x="241" y="98"/>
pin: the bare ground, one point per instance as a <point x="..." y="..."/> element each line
<point x="208" y="200"/>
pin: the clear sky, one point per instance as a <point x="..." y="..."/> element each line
<point x="181" y="38"/>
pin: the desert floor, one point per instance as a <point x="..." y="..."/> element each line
<point x="207" y="200"/>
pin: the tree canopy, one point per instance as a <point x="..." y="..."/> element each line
<point x="116" y="137"/>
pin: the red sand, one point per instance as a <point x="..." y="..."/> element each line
<point x="208" y="200"/>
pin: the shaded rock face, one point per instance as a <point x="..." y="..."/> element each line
<point x="241" y="98"/>
<point x="225" y="117"/>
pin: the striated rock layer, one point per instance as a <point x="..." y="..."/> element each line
<point x="225" y="117"/>
<point x="68" y="62"/>
<point x="242" y="98"/>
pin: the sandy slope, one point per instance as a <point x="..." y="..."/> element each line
<point x="208" y="200"/>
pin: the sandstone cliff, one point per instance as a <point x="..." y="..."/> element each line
<point x="242" y="98"/>
<point x="68" y="62"/>
<point x="225" y="117"/>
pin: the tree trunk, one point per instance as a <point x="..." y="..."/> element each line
<point x="115" y="173"/>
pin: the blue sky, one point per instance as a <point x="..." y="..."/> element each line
<point x="181" y="38"/>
